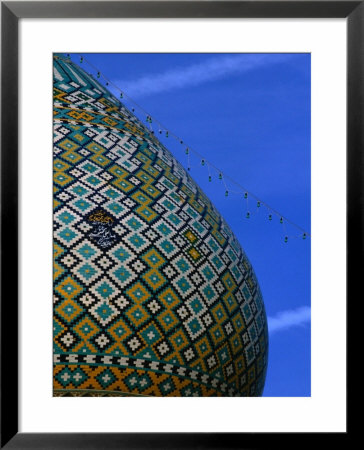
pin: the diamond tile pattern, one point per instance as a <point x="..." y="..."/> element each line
<point x="153" y="295"/>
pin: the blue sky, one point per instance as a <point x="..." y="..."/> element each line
<point x="249" y="116"/>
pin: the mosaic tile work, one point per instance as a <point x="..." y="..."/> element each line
<point x="153" y="295"/>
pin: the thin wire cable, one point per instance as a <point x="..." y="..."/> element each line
<point x="170" y="133"/>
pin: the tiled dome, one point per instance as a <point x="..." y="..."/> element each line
<point x="153" y="295"/>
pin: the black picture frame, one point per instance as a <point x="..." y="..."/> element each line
<point x="11" y="12"/>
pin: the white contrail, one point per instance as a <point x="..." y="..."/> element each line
<point x="212" y="69"/>
<point x="289" y="318"/>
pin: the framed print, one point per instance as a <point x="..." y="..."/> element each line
<point x="152" y="294"/>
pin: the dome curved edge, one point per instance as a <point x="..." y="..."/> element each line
<point x="153" y="294"/>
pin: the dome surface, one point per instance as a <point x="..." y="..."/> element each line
<point x="153" y="294"/>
